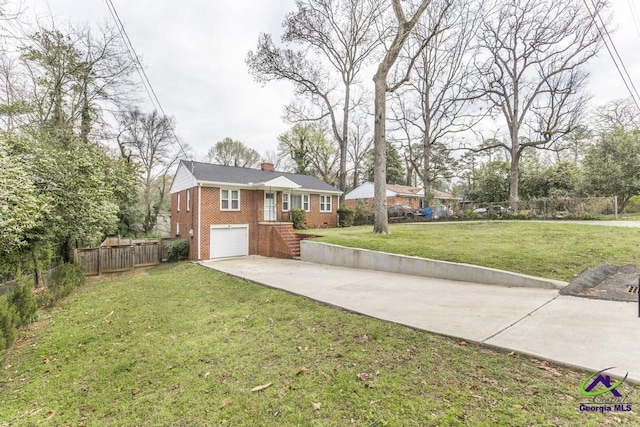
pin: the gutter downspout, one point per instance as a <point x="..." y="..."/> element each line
<point x="199" y="216"/>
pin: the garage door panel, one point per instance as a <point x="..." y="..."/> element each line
<point x="229" y="240"/>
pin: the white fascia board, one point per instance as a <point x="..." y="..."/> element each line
<point x="280" y="182"/>
<point x="261" y="186"/>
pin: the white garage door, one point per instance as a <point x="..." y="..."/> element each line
<point x="229" y="240"/>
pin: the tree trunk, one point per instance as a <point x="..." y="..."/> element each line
<point x="85" y="116"/>
<point x="37" y="274"/>
<point x="381" y="219"/>
<point x="342" y="177"/>
<point x="513" y="178"/>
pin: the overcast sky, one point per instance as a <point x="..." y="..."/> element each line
<point x="194" y="52"/>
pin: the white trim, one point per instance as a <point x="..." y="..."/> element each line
<point x="279" y="182"/>
<point x="272" y="214"/>
<point x="259" y="186"/>
<point x="230" y="199"/>
<point x="178" y="202"/>
<point x="228" y="226"/>
<point x="302" y="201"/>
<point x="199" y="219"/>
<point x="188" y="199"/>
<point x="330" y="204"/>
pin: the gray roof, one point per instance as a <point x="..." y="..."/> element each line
<point x="208" y="172"/>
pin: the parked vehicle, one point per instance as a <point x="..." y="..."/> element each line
<point x="495" y="210"/>
<point x="398" y="211"/>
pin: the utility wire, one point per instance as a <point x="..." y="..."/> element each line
<point x="634" y="15"/>
<point x="151" y="93"/>
<point x="613" y="58"/>
<point x="604" y="27"/>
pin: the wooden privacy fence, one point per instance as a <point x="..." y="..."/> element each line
<point x="112" y="259"/>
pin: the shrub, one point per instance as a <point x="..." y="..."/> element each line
<point x="178" y="250"/>
<point x="360" y="214"/>
<point x="345" y="216"/>
<point x="8" y="322"/>
<point x="298" y="218"/>
<point x="23" y="299"/>
<point x="64" y="280"/>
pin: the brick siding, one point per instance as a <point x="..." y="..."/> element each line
<point x="251" y="212"/>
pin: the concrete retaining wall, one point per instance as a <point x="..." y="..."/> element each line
<point x="324" y="253"/>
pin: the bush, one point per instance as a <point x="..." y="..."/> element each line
<point x="178" y="250"/>
<point x="360" y="214"/>
<point x="345" y="216"/>
<point x="8" y="322"/>
<point x="64" y="280"/>
<point x="299" y="219"/>
<point x="23" y="299"/>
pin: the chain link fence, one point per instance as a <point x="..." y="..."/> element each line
<point x="547" y="208"/>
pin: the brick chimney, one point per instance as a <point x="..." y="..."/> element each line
<point x="266" y="166"/>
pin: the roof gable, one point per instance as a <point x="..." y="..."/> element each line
<point x="183" y="179"/>
<point x="366" y="190"/>
<point x="281" y="182"/>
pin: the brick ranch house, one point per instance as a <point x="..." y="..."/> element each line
<point x="396" y="195"/>
<point x="228" y="211"/>
<point x="400" y="195"/>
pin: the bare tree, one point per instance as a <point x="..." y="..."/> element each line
<point x="620" y="113"/>
<point x="534" y="74"/>
<point x="434" y="106"/>
<point x="382" y="87"/>
<point x="344" y="34"/>
<point x="360" y="142"/>
<point x="150" y="141"/>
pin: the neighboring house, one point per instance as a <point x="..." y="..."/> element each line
<point x="398" y="194"/>
<point x="231" y="211"/>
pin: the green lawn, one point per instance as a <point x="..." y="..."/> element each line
<point x="553" y="250"/>
<point x="180" y="344"/>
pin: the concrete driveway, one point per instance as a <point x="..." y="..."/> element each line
<point x="578" y="332"/>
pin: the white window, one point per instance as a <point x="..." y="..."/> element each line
<point x="188" y="200"/>
<point x="177" y="228"/>
<point x="293" y="201"/>
<point x="178" y="202"/>
<point x="325" y="203"/>
<point x="229" y="200"/>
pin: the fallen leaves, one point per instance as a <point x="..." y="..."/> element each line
<point x="545" y="366"/>
<point x="135" y="391"/>
<point x="317" y="406"/>
<point x="261" y="387"/>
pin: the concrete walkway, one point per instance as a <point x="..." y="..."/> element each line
<point x="578" y="332"/>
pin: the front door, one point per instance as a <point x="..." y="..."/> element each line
<point x="269" y="206"/>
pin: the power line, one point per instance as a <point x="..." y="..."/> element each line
<point x="628" y="84"/>
<point x="151" y="93"/>
<point x="634" y="15"/>
<point x="615" y="49"/>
